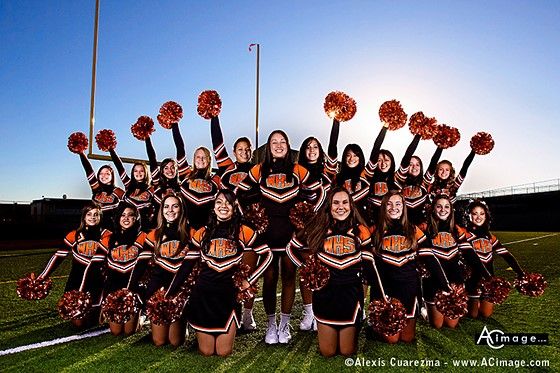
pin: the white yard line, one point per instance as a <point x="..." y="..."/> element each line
<point x="532" y="239"/>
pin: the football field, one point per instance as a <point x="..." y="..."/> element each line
<point x="30" y="322"/>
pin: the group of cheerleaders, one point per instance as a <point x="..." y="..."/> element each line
<point x="374" y="226"/>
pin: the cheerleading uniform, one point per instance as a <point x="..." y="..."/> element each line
<point x="318" y="185"/>
<point x="449" y="187"/>
<point x="279" y="192"/>
<point x="485" y="245"/>
<point x="346" y="251"/>
<point x="106" y="196"/>
<point x="213" y="304"/>
<point x="397" y="264"/>
<point x="87" y="247"/>
<point x="138" y="194"/>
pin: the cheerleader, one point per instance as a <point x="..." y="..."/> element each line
<point x="198" y="186"/>
<point x="340" y="241"/>
<point x="445" y="181"/>
<point x="138" y="189"/>
<point x="89" y="240"/>
<point x="398" y="245"/>
<point x="103" y="189"/>
<point x="124" y="252"/>
<point x="485" y="244"/>
<point x="167" y="246"/>
<point x="213" y="310"/>
<point x="279" y="182"/>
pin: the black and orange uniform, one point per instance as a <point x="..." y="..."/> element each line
<point x="278" y="192"/>
<point x="347" y="254"/>
<point x="231" y="173"/>
<point x="167" y="257"/>
<point x="485" y="245"/>
<point x="106" y="196"/>
<point x="139" y="194"/>
<point x="198" y="191"/>
<point x="397" y="264"/>
<point x="125" y="250"/>
<point x="84" y="275"/>
<point x="450" y="187"/>
<point x="318" y="185"/>
<point x="213" y="302"/>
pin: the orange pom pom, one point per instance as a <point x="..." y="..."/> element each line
<point x="143" y="128"/>
<point x="209" y="104"/>
<point x="77" y="142"/>
<point x="446" y="136"/>
<point x="340" y="106"/>
<point x="422" y="125"/>
<point x="106" y="140"/>
<point x="169" y="113"/>
<point x="482" y="143"/>
<point x="392" y="114"/>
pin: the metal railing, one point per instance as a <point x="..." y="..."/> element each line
<point x="538" y="187"/>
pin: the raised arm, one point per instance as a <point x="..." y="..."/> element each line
<point x="220" y="152"/>
<point x="372" y="163"/>
<point x="120" y="168"/>
<point x="182" y="162"/>
<point x="90" y="174"/>
<point x="466" y="164"/>
<point x="405" y="162"/>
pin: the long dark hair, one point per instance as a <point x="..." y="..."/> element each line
<point x="87" y="208"/>
<point x="315" y="231"/>
<point x="286" y="164"/>
<point x="112" y="183"/>
<point x="163" y="180"/>
<point x="232" y="225"/>
<point x="385" y="222"/>
<point x="182" y="228"/>
<point x="415" y="180"/>
<point x="351" y="173"/>
<point x="485" y="227"/>
<point x="434" y="223"/>
<point x="302" y="157"/>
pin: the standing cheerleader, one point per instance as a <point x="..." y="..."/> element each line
<point x="213" y="309"/>
<point x="138" y="189"/>
<point x="279" y="181"/>
<point x="89" y="240"/>
<point x="168" y="245"/>
<point x="337" y="240"/>
<point x="485" y="244"/>
<point x="445" y="181"/>
<point x="124" y="252"/>
<point x="104" y="191"/>
<point x="396" y="243"/>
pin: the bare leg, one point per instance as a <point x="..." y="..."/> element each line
<point x="436" y="318"/>
<point x="409" y="332"/>
<point x="116" y="329"/>
<point x="224" y="342"/>
<point x="328" y="339"/>
<point x="131" y="326"/>
<point x="486" y="309"/>
<point x="206" y="343"/>
<point x="177" y="333"/>
<point x="473" y="307"/>
<point x="348" y="341"/>
<point x="160" y="334"/>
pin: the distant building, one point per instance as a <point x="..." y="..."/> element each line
<point x="59" y="210"/>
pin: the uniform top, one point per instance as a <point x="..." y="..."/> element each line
<point x="123" y="254"/>
<point x="171" y="251"/>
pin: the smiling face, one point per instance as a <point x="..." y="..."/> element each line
<point x="242" y="152"/>
<point x="278" y="145"/>
<point x="105" y="176"/>
<point x="442" y="209"/>
<point x="478" y="216"/>
<point x="383" y="162"/>
<point x="92" y="218"/>
<point x="312" y="151"/>
<point x="139" y="173"/>
<point x="414" y="167"/>
<point x="395" y="206"/>
<point x="170" y="170"/>
<point x="340" y="206"/>
<point x="171" y="209"/>
<point x="201" y="160"/>
<point x="443" y="171"/>
<point x="127" y="218"/>
<point x="223" y="208"/>
<point x="352" y="159"/>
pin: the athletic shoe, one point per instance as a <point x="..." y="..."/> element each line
<point x="307" y="321"/>
<point x="248" y="322"/>
<point x="314" y="324"/>
<point x="424" y="313"/>
<point x="271" y="336"/>
<point x="284" y="334"/>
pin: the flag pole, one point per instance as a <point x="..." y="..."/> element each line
<point x="257" y="99"/>
<point x="93" y="79"/>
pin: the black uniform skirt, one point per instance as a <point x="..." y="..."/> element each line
<point x="213" y="307"/>
<point x="339" y="304"/>
<point x="93" y="284"/>
<point x="160" y="279"/>
<point x="115" y="281"/>
<point x="454" y="273"/>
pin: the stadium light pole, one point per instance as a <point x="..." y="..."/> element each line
<point x="257" y="99"/>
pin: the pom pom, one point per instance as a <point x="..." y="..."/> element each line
<point x="495" y="289"/>
<point x="256" y="215"/>
<point x="240" y="275"/>
<point x="77" y="142"/>
<point x="209" y="104"/>
<point x="169" y="113"/>
<point x="32" y="288"/>
<point x="74" y="305"/>
<point x="387" y="317"/>
<point x="392" y="114"/>
<point x="313" y="274"/>
<point x="531" y="284"/>
<point x="301" y="213"/>
<point x="106" y="140"/>
<point x="482" y="143"/>
<point x="120" y="306"/>
<point x="446" y="136"/>
<point x="143" y="128"/>
<point x="466" y="271"/>
<point x="422" y="125"/>
<point x="162" y="310"/>
<point x="452" y="305"/>
<point x="340" y="106"/>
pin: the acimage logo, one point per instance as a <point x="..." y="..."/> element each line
<point x="497" y="339"/>
<point x="486" y="335"/>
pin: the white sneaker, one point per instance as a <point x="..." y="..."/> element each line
<point x="284" y="334"/>
<point x="271" y="337"/>
<point x="424" y="313"/>
<point x="314" y="324"/>
<point x="248" y="321"/>
<point x="307" y="321"/>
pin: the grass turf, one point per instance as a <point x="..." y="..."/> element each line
<point x="25" y="322"/>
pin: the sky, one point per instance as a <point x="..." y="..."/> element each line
<point x="488" y="66"/>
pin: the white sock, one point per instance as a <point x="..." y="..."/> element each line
<point x="284" y="319"/>
<point x="272" y="319"/>
<point x="308" y="308"/>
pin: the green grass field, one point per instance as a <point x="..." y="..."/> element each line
<point x="25" y="322"/>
